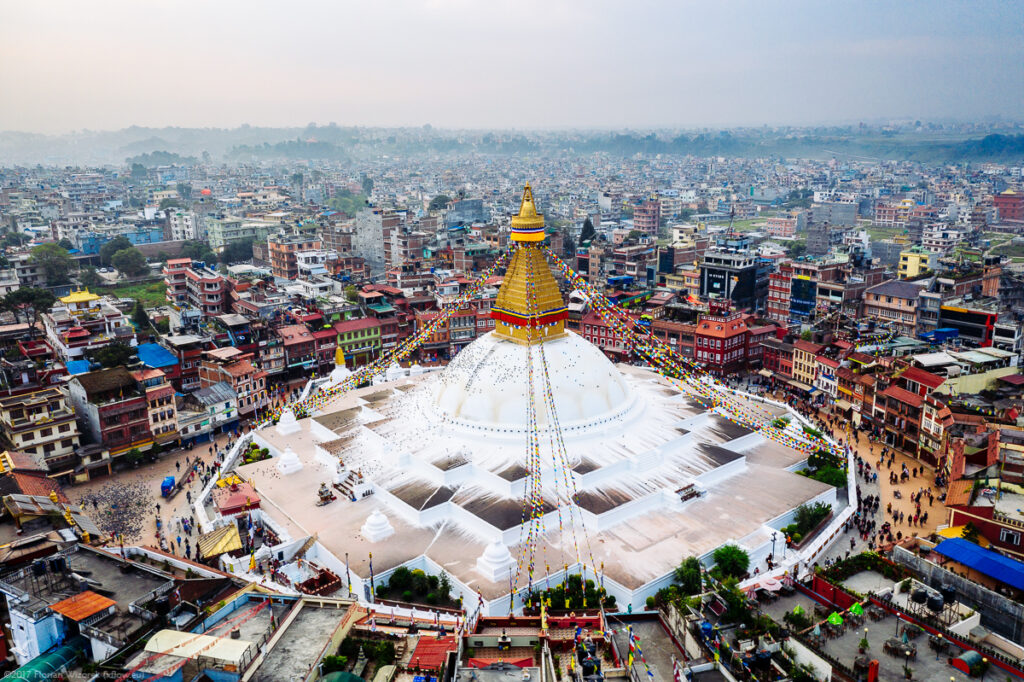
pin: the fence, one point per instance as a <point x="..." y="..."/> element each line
<point x="999" y="614"/>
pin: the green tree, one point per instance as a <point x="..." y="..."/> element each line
<point x="89" y="277"/>
<point x="65" y="244"/>
<point x="733" y="561"/>
<point x="688" y="576"/>
<point x="112" y="355"/>
<point x="439" y="202"/>
<point x="970" y="533"/>
<point x="200" y="251"/>
<point x="351" y="293"/>
<point x="796" y="249"/>
<point x="367" y="183"/>
<point x="237" y="251"/>
<point x="588" y="232"/>
<point x="130" y="262"/>
<point x="685" y="213"/>
<point x="29" y="303"/>
<point x="108" y="250"/>
<point x="169" y="202"/>
<point x="15" y="239"/>
<point x="184" y="190"/>
<point x="139" y="317"/>
<point x="138" y="172"/>
<point x="55" y="262"/>
<point x="806" y="335"/>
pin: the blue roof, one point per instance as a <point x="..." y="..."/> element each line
<point x="156" y="356"/>
<point x="985" y="561"/>
<point x="77" y="366"/>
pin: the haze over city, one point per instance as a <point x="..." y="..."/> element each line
<point x="530" y="64"/>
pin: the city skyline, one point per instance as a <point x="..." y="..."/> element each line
<point x="525" y="65"/>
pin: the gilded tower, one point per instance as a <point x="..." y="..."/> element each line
<point x="518" y="315"/>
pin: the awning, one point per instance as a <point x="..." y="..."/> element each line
<point x="843" y="404"/>
<point x="799" y="384"/>
<point x="958" y="532"/>
<point x="219" y="541"/>
<point x="766" y="373"/>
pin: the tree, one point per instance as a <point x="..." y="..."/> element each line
<point x="588" y="232"/>
<point x="138" y="172"/>
<point x="351" y="293"/>
<point x="15" y="239"/>
<point x="139" y="317"/>
<point x="130" y="262"/>
<point x="367" y="183"/>
<point x="29" y="302"/>
<point x="970" y="533"/>
<point x="184" y="190"/>
<point x="439" y="202"/>
<point x="732" y="561"/>
<point x="806" y="335"/>
<point x="65" y="244"/>
<point x="685" y="213"/>
<point x="108" y="250"/>
<point x="89" y="277"/>
<point x="116" y="354"/>
<point x="54" y="260"/>
<point x="797" y="249"/>
<point x="688" y="576"/>
<point x="237" y="251"/>
<point x="169" y="202"/>
<point x="200" y="251"/>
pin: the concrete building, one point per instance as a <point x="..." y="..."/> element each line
<point x="184" y="225"/>
<point x="163" y="415"/>
<point x="647" y="217"/>
<point x="283" y="248"/>
<point x="894" y="304"/>
<point x="232" y="366"/>
<point x="221" y="231"/>
<point x="734" y="276"/>
<point x="41" y="423"/>
<point x="83" y="321"/>
<point x="111" y="409"/>
<point x="916" y="261"/>
<point x="189" y="284"/>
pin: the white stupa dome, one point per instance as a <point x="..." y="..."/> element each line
<point x="486" y="384"/>
<point x="340" y="373"/>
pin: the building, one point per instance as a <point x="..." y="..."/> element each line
<point x="187" y="349"/>
<point x="647" y="217"/>
<point x="299" y="348"/>
<point x="42" y="423"/>
<point x="894" y="305"/>
<point x="163" y="415"/>
<point x="283" y="248"/>
<point x="111" y="410"/>
<point x="1010" y="205"/>
<point x="234" y="367"/>
<point x="734" y="276"/>
<point x="916" y="261"/>
<point x="720" y="341"/>
<point x="222" y="231"/>
<point x="190" y="284"/>
<point x="359" y="340"/>
<point x="372" y="231"/>
<point x="185" y="226"/>
<point x="805" y="362"/>
<point x="82" y="321"/>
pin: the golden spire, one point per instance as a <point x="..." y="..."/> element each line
<point x="528" y="226"/>
<point x="529" y="308"/>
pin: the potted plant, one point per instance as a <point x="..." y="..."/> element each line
<point x="864" y="645"/>
<point x="908" y="672"/>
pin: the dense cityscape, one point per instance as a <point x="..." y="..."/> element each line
<point x="639" y="342"/>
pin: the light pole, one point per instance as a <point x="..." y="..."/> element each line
<point x="984" y="667"/>
<point x="938" y="648"/>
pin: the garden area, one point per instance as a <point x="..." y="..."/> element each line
<point x="378" y="652"/>
<point x="572" y="595"/>
<point x="825" y="467"/>
<point x="807" y="520"/>
<point x="150" y="294"/>
<point x="416" y="587"/>
<point x="255" y="453"/>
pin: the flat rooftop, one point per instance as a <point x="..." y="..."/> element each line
<point x="293" y="655"/>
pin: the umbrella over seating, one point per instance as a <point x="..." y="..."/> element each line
<point x="771" y="584"/>
<point x="857" y="609"/>
<point x="797" y="610"/>
<point x="835" y="619"/>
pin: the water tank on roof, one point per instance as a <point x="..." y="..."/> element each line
<point x="948" y="593"/>
<point x="935" y="603"/>
<point x="919" y="596"/>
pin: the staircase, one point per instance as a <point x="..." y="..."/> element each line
<point x="347" y="485"/>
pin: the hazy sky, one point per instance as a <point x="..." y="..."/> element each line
<point x="73" y="64"/>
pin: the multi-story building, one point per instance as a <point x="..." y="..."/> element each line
<point x="283" y="247"/>
<point x="83" y="321"/>
<point x="189" y="284"/>
<point x="916" y="261"/>
<point x="111" y="410"/>
<point x="647" y="217"/>
<point x="1010" y="205"/>
<point x="184" y="226"/>
<point x="222" y="231"/>
<point x="206" y="412"/>
<point x="41" y="423"/>
<point x="734" y="276"/>
<point x="902" y="418"/>
<point x="720" y="340"/>
<point x="372" y="233"/>
<point x="163" y="415"/>
<point x="234" y="367"/>
<point x="777" y="357"/>
<point x="805" y="362"/>
<point x="940" y="239"/>
<point x="188" y="350"/>
<point x="360" y="340"/>
<point x="893" y="214"/>
<point x="894" y="304"/>
<point x="299" y="347"/>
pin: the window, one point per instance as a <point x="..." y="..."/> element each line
<point x="1010" y="537"/>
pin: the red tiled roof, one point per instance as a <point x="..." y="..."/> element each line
<point x="81" y="606"/>
<point x="920" y="376"/>
<point x="1013" y="379"/>
<point x="828" y="362"/>
<point x="904" y="396"/>
<point x="356" y="325"/>
<point x="959" y="493"/>
<point x="30" y="484"/>
<point x="807" y="346"/>
<point x="431" y="652"/>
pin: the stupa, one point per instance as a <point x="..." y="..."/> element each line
<point x="443" y="459"/>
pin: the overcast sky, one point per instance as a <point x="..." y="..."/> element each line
<point x="73" y="64"/>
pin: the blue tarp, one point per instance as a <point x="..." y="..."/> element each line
<point x="985" y="561"/>
<point x="156" y="356"/>
<point x="77" y="366"/>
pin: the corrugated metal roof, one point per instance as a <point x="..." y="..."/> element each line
<point x="985" y="561"/>
<point x="219" y="541"/>
<point x="81" y="606"/>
